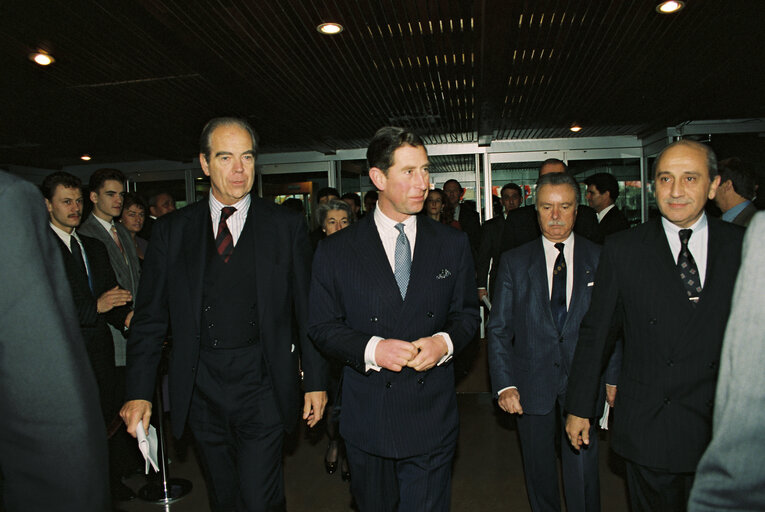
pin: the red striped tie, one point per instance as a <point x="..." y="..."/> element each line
<point x="223" y="240"/>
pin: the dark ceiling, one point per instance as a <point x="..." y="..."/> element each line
<point x="136" y="79"/>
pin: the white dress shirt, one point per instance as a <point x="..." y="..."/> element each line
<point x="697" y="245"/>
<point x="235" y="221"/>
<point x="602" y="213"/>
<point x="386" y="228"/>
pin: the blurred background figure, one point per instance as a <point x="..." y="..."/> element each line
<point x="738" y="186"/>
<point x="354" y="201"/>
<point x="160" y="203"/>
<point x="438" y="208"/>
<point x="333" y="217"/>
<point x="133" y="218"/>
<point x="370" y="201"/>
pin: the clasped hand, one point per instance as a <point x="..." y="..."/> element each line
<point x="421" y="355"/>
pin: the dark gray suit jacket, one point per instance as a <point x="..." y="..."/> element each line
<point x="671" y="348"/>
<point x="52" y="435"/>
<point x="354" y="296"/>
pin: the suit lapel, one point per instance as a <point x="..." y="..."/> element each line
<point x="194" y="245"/>
<point x="426" y="249"/>
<point x="584" y="273"/>
<point x="370" y="250"/>
<point x="261" y="226"/>
<point x="539" y="289"/>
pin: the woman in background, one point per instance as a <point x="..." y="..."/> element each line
<point x="437" y="208"/>
<point x="133" y="214"/>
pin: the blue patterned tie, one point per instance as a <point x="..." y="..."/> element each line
<point x="558" y="298"/>
<point x="403" y="260"/>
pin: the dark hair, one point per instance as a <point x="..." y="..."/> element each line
<point x="155" y="197"/>
<point x="294" y="204"/>
<point x="554" y="161"/>
<point x="454" y="181"/>
<point x="354" y="196"/>
<point x="710" y="154"/>
<point x="604" y="182"/>
<point x="335" y="204"/>
<point x="372" y="193"/>
<point x="52" y="181"/>
<point x="742" y="176"/>
<point x="558" y="178"/>
<point x="385" y="142"/>
<point x="204" y="139"/>
<point x="512" y="186"/>
<point x="447" y="213"/>
<point x="131" y="198"/>
<point x="326" y="191"/>
<point x="98" y="178"/>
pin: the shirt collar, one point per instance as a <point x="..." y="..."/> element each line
<point x="387" y="223"/>
<point x="674" y="230"/>
<point x="732" y="213"/>
<point x="550" y="244"/>
<point x="602" y="213"/>
<point x="242" y="205"/>
<point x="107" y="225"/>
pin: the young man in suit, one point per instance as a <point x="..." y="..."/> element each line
<point x="521" y="225"/>
<point x="99" y="301"/>
<point x="52" y="436"/>
<point x="666" y="285"/>
<point x="464" y="213"/>
<point x="543" y="292"/>
<point x="738" y="186"/>
<point x="602" y="191"/>
<point x="230" y="275"/>
<point x="399" y="412"/>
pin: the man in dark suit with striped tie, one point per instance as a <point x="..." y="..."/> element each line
<point x="230" y="274"/>
<point x="666" y="286"/>
<point x="393" y="298"/>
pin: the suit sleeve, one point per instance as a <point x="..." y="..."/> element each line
<point x="463" y="318"/>
<point x="483" y="260"/>
<point x="52" y="438"/>
<point x="150" y="321"/>
<point x="106" y="280"/>
<point x="500" y="330"/>
<point x="327" y="325"/>
<point x="596" y="340"/>
<point x="314" y="366"/>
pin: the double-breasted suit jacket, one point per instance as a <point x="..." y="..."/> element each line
<point x="171" y="292"/>
<point x="354" y="296"/>
<point x="539" y="354"/>
<point x="671" y="348"/>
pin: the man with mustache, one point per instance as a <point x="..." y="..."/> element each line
<point x="97" y="297"/>
<point x="543" y="291"/>
<point x="666" y="287"/>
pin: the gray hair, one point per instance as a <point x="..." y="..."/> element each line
<point x="708" y="152"/>
<point x="335" y="204"/>
<point x="558" y="178"/>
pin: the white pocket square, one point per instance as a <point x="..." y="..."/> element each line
<point x="591" y="283"/>
<point x="443" y="274"/>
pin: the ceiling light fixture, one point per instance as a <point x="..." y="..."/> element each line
<point x="42" y="58"/>
<point x="575" y="127"/>
<point x="330" y="29"/>
<point x="85" y="157"/>
<point x="669" y="6"/>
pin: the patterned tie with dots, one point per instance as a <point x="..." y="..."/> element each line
<point x="686" y="265"/>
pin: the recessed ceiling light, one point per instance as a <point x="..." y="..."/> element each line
<point x="669" y="6"/>
<point x="42" y="58"/>
<point x="330" y="29"/>
<point x="85" y="157"/>
<point x="575" y="127"/>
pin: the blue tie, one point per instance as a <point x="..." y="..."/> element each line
<point x="558" y="298"/>
<point x="403" y="260"/>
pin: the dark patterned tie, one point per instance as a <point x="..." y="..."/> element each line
<point x="558" y="297"/>
<point x="224" y="242"/>
<point x="686" y="265"/>
<point x="402" y="260"/>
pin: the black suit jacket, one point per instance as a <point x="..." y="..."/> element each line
<point x="171" y="292"/>
<point x="613" y="222"/>
<point x="489" y="251"/>
<point x="671" y="348"/>
<point x="52" y="435"/>
<point x="354" y="296"/>
<point x="521" y="226"/>
<point x="470" y="223"/>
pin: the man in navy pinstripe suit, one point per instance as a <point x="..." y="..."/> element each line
<point x="393" y="297"/>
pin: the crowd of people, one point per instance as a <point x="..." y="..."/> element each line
<point x="272" y="323"/>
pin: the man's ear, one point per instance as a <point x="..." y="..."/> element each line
<point x="378" y="177"/>
<point x="48" y="205"/>
<point x="713" y="187"/>
<point x="203" y="163"/>
<point x="93" y="196"/>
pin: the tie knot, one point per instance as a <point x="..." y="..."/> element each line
<point x="400" y="227"/>
<point x="559" y="246"/>
<point x="685" y="235"/>
<point x="226" y="212"/>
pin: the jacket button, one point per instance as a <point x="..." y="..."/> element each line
<point x="207" y="308"/>
<point x="652" y="321"/>
<point x="215" y="342"/>
<point x="557" y="365"/>
<point x="560" y="340"/>
<point x="420" y="381"/>
<point x="388" y="385"/>
<point x="670" y="363"/>
<point x="373" y="319"/>
<point x="712" y="365"/>
<point x="252" y="323"/>
<point x="250" y="341"/>
<point x="667" y="401"/>
<point x="193" y="369"/>
<point x="210" y="325"/>
<point x="430" y="314"/>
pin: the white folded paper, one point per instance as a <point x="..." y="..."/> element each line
<point x="148" y="446"/>
<point x="486" y="302"/>
<point x="604" y="419"/>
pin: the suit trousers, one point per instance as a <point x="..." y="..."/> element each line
<point x="652" y="490"/>
<point x="581" y="479"/>
<point x="238" y="430"/>
<point x="414" y="484"/>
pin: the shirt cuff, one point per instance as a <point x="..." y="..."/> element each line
<point x="505" y="389"/>
<point x="370" y="363"/>
<point x="449" y="347"/>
